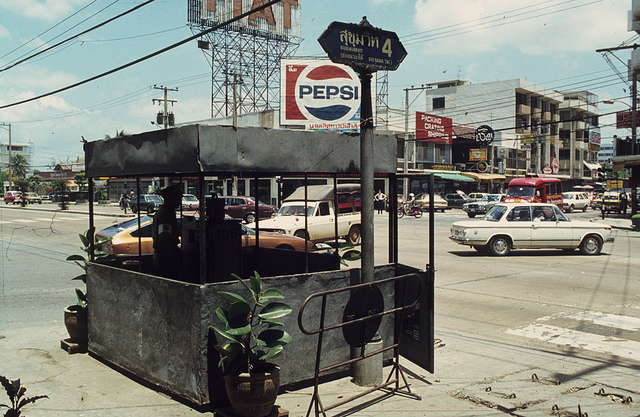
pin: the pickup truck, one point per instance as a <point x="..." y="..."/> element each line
<point x="320" y="214"/>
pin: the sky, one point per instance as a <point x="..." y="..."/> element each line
<point x="551" y="43"/>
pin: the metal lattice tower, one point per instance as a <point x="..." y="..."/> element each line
<point x="243" y="58"/>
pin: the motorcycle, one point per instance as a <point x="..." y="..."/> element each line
<point x="409" y="210"/>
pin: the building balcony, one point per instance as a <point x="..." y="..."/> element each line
<point x="523" y="131"/>
<point x="546" y="116"/>
<point x="555" y="117"/>
<point x="580" y="125"/>
<point x="522" y="110"/>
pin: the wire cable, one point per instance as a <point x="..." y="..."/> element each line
<point x="144" y="58"/>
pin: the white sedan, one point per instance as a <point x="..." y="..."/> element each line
<point x="530" y="226"/>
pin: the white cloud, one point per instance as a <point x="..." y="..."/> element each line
<point x="4" y="33"/>
<point x="48" y="10"/>
<point x="530" y="26"/>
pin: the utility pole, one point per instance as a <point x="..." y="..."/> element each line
<point x="10" y="173"/>
<point x="165" y="116"/>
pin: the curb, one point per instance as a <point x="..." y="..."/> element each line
<point x="95" y="213"/>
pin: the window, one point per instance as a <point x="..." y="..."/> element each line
<point x="521" y="99"/>
<point x="323" y="209"/>
<point x="438" y="103"/>
<point x="519" y="214"/>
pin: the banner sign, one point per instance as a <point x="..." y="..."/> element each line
<point x="479" y="154"/>
<point x="433" y="128"/>
<point x="624" y="119"/>
<point x="320" y="95"/>
<point x="594" y="141"/>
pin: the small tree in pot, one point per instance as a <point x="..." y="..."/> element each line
<point x="252" y="336"/>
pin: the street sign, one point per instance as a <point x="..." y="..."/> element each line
<point x="484" y="135"/>
<point x="362" y="47"/>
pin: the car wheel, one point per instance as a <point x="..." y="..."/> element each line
<point x="150" y="210"/>
<point x="249" y="218"/>
<point x="471" y="215"/>
<point x="301" y="234"/>
<point x="133" y="209"/>
<point x="354" y="235"/>
<point x="591" y="245"/>
<point x="570" y="209"/>
<point x="499" y="245"/>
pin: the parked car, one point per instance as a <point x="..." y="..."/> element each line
<point x="510" y="226"/>
<point x="190" y="202"/>
<point x="476" y="196"/>
<point x="439" y="203"/>
<point x="483" y="205"/>
<point x="456" y="199"/>
<point x="10" y="196"/>
<point x="244" y="208"/>
<point x="49" y="196"/>
<point x="575" y="200"/>
<point x="613" y="201"/>
<point x="596" y="201"/>
<point x="125" y="238"/>
<point x="32" y="198"/>
<point x="149" y="203"/>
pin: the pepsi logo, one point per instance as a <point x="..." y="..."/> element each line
<point x="328" y="93"/>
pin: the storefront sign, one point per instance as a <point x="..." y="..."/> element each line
<point x="431" y="128"/>
<point x="484" y="135"/>
<point x="479" y="154"/>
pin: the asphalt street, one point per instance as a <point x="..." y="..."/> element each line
<point x="515" y="335"/>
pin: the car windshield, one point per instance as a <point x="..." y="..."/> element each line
<point x="154" y="198"/>
<point x="495" y="213"/>
<point x="568" y="196"/>
<point x="189" y="197"/>
<point x="489" y="198"/>
<point x="520" y="191"/>
<point x="295" y="210"/>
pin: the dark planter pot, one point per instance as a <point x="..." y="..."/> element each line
<point x="253" y="395"/>
<point x="75" y="319"/>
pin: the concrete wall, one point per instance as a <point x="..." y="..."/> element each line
<point x="158" y="329"/>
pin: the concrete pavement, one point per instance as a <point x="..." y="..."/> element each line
<point x="473" y="377"/>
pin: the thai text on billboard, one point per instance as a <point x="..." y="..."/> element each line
<point x="320" y="95"/>
<point x="433" y="128"/>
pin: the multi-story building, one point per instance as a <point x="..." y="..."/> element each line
<point x="579" y="134"/>
<point x="24" y="149"/>
<point x="538" y="130"/>
<point x="607" y="151"/>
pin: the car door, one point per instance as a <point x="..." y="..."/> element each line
<point x="324" y="222"/>
<point x="519" y="226"/>
<point x="550" y="229"/>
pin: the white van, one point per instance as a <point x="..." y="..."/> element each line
<point x="575" y="200"/>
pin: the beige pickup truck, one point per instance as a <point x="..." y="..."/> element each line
<point x="320" y="213"/>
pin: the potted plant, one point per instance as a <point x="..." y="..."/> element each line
<point x="75" y="316"/>
<point x="252" y="335"/>
<point x="15" y="392"/>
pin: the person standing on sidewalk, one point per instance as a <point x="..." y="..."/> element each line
<point x="379" y="201"/>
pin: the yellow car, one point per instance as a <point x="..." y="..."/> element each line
<point x="125" y="238"/>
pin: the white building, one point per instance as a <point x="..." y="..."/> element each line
<point x="24" y="149"/>
<point x="540" y="130"/>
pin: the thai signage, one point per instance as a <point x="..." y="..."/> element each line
<point x="320" y="95"/>
<point x="433" y="128"/>
<point x="281" y="18"/>
<point x="624" y="119"/>
<point x="477" y="154"/>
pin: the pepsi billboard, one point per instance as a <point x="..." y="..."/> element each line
<point x="320" y="95"/>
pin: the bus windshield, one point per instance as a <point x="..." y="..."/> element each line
<point x="521" y="191"/>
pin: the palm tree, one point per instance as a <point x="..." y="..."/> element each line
<point x="19" y="165"/>
<point x="118" y="134"/>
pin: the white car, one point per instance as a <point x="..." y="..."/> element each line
<point x="530" y="226"/>
<point x="575" y="200"/>
<point x="483" y="205"/>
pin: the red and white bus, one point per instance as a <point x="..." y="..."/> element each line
<point x="535" y="190"/>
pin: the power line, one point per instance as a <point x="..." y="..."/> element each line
<point x="139" y="60"/>
<point x="79" y="34"/>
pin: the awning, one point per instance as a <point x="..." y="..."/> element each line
<point x="452" y="176"/>
<point x="484" y="176"/>
<point x="592" y="165"/>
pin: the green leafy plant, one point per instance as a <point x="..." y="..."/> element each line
<point x="246" y="347"/>
<point x="346" y="252"/>
<point x="15" y="392"/>
<point x="83" y="261"/>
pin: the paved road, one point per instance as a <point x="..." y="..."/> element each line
<point x="568" y="318"/>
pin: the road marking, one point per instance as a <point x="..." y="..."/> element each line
<point x="26" y="221"/>
<point x="585" y="340"/>
<point x="580" y="340"/>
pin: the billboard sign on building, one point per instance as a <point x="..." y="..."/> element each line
<point x="594" y="141"/>
<point x="433" y="128"/>
<point x="281" y="18"/>
<point x="320" y="95"/>
<point x="477" y="154"/>
<point x="624" y="119"/>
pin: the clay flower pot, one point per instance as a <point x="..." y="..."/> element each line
<point x="75" y="319"/>
<point x="253" y="395"/>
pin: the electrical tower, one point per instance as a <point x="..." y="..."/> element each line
<point x="245" y="56"/>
